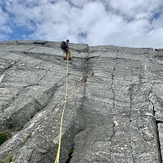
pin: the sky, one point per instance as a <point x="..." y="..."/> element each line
<point x="129" y="23"/>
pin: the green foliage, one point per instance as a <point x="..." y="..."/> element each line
<point x="71" y="151"/>
<point x="8" y="159"/>
<point x="28" y="136"/>
<point x="4" y="135"/>
<point x="70" y="155"/>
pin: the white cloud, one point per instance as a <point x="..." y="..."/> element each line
<point x="117" y="22"/>
<point x="4" y="28"/>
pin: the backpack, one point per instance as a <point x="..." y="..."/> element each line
<point x="64" y="45"/>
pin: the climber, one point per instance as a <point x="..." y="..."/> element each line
<point x="65" y="48"/>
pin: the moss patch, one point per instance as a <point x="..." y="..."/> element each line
<point x="4" y="135"/>
<point x="28" y="136"/>
<point x="8" y="159"/>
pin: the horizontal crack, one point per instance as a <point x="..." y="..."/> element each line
<point x="158" y="121"/>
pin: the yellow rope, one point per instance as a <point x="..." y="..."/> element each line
<point x="62" y="116"/>
<point x="61" y="122"/>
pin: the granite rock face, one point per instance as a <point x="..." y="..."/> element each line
<point x="114" y="109"/>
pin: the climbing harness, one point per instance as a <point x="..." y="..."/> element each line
<point x="61" y="121"/>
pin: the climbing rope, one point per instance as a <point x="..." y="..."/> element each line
<point x="61" y="122"/>
<point x="63" y="110"/>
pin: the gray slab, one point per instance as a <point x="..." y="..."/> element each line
<point x="114" y="111"/>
